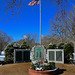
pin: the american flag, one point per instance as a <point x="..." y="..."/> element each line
<point x="34" y="2"/>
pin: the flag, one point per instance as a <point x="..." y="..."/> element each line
<point x="34" y="2"/>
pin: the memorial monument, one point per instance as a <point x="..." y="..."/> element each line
<point x="38" y="54"/>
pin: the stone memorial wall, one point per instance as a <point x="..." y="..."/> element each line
<point x="21" y="55"/>
<point x="55" y="55"/>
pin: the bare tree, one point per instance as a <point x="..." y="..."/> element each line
<point x="13" y="7"/>
<point x="66" y="27"/>
<point x="46" y="40"/>
<point x="32" y="39"/>
<point x="4" y="40"/>
<point x="70" y="27"/>
<point x="57" y="29"/>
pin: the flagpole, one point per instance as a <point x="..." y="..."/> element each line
<point x="40" y="22"/>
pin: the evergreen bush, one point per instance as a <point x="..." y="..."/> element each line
<point x="33" y="66"/>
<point x="53" y="46"/>
<point x="68" y="50"/>
<point x="9" y="51"/>
<point x="61" y="46"/>
<point x="24" y="45"/>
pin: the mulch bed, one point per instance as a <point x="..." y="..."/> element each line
<point x="22" y="69"/>
<point x="66" y="69"/>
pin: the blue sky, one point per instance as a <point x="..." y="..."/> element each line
<point x="30" y="20"/>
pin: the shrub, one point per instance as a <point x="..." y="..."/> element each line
<point x="52" y="64"/>
<point x="61" y="46"/>
<point x="53" y="46"/>
<point x="33" y="66"/>
<point x="68" y="50"/>
<point x="24" y="46"/>
<point x="46" y="67"/>
<point x="9" y="51"/>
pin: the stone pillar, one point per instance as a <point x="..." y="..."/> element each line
<point x="74" y="56"/>
<point x="74" y="52"/>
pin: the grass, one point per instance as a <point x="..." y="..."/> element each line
<point x="22" y="69"/>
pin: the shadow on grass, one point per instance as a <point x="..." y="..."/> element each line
<point x="61" y="71"/>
